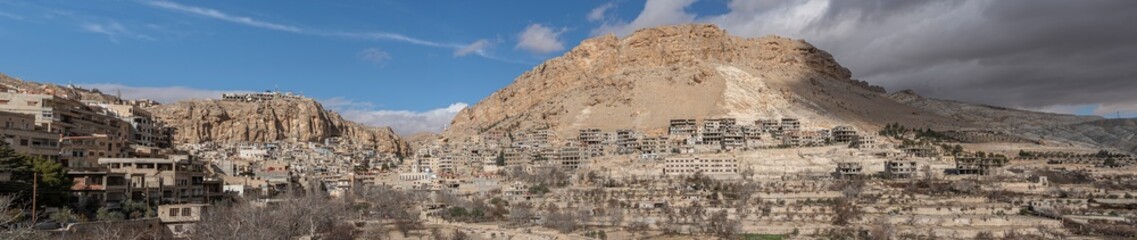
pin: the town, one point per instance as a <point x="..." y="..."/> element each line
<point x="715" y="176"/>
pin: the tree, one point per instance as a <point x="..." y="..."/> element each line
<point x="500" y="160"/>
<point x="50" y="176"/>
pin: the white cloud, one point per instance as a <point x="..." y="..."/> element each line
<point x="540" y="39"/>
<point x="655" y="13"/>
<point x="404" y="122"/>
<point x="160" y="94"/>
<point x="215" y="14"/>
<point x="113" y="31"/>
<point x="374" y="55"/>
<point x="600" y="13"/>
<point x="477" y="47"/>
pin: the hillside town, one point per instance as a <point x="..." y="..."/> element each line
<point x="776" y="176"/>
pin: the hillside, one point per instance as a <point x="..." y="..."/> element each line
<point x="687" y="71"/>
<point x="1072" y="130"/>
<point x="300" y="119"/>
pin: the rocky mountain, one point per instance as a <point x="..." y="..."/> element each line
<point x="196" y="121"/>
<point x="292" y="119"/>
<point x="688" y="71"/>
<point x="1073" y="130"/>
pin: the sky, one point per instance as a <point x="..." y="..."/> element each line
<point x="412" y="65"/>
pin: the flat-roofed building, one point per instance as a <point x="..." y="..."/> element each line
<point x="22" y="135"/>
<point x="693" y="165"/>
<point x="178" y="179"/>
<point x="900" y="168"/>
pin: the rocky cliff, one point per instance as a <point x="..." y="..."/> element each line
<point x="687" y="71"/>
<point x="300" y="119"/>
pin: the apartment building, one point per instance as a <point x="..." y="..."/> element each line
<point x="22" y="135"/>
<point x="178" y="179"/>
<point x="688" y="166"/>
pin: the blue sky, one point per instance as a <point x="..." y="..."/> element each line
<point x="413" y="64"/>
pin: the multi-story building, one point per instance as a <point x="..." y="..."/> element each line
<point x="849" y="169"/>
<point x="790" y="124"/>
<point x="654" y="147"/>
<point x="900" y="168"/>
<point x="145" y="131"/>
<point x="178" y="179"/>
<point x="22" y="135"/>
<point x="85" y="151"/>
<point x="627" y="141"/>
<point x="683" y="127"/>
<point x="844" y="134"/>
<point x="591" y="136"/>
<point x="100" y="187"/>
<point x="687" y="166"/>
<point x="572" y="157"/>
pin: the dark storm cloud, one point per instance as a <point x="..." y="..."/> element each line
<point x="1036" y="54"/>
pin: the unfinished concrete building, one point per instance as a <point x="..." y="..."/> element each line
<point x="790" y="124"/>
<point x="654" y="147"/>
<point x="571" y="157"/>
<point x="627" y="141"/>
<point x="768" y="125"/>
<point x="971" y="165"/>
<point x="900" y="168"/>
<point x="844" y="134"/>
<point x="683" y="127"/>
<point x="591" y="136"/>
<point x="847" y="170"/>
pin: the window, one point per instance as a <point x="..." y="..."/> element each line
<point x="186" y="212"/>
<point x="23" y="142"/>
<point x="173" y="212"/>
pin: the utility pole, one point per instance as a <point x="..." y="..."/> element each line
<point x="35" y="187"/>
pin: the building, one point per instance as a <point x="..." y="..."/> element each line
<point x="968" y="165"/>
<point x="683" y="126"/>
<point x="688" y="166"/>
<point x="179" y="219"/>
<point x="844" y="134"/>
<point x="627" y="141"/>
<point x="790" y="124"/>
<point x="591" y="136"/>
<point x="572" y="157"/>
<point x="103" y="188"/>
<point x="849" y="170"/>
<point x="178" y="179"/>
<point x="145" y="131"/>
<point x="900" y="168"/>
<point x="654" y="147"/>
<point x="22" y="135"/>
<point x="86" y="150"/>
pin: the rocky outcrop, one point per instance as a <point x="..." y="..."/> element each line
<point x="686" y="71"/>
<point x="302" y="120"/>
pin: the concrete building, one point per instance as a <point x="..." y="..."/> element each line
<point x="844" y="134"/>
<point x="654" y="147"/>
<point x="145" y="130"/>
<point x="572" y="157"/>
<point x="23" y="136"/>
<point x="683" y="126"/>
<point x="849" y="170"/>
<point x="790" y="124"/>
<point x="627" y="141"/>
<point x="85" y="151"/>
<point x="178" y="179"/>
<point x="591" y="136"/>
<point x="900" y="168"/>
<point x="688" y="166"/>
<point x="103" y="188"/>
<point x="179" y="219"/>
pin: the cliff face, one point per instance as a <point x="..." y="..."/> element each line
<point x="687" y="71"/>
<point x="304" y="120"/>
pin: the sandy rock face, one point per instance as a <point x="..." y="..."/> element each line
<point x="303" y="120"/>
<point x="687" y="71"/>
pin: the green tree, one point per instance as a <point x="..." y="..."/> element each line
<point x="500" y="160"/>
<point x="52" y="179"/>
